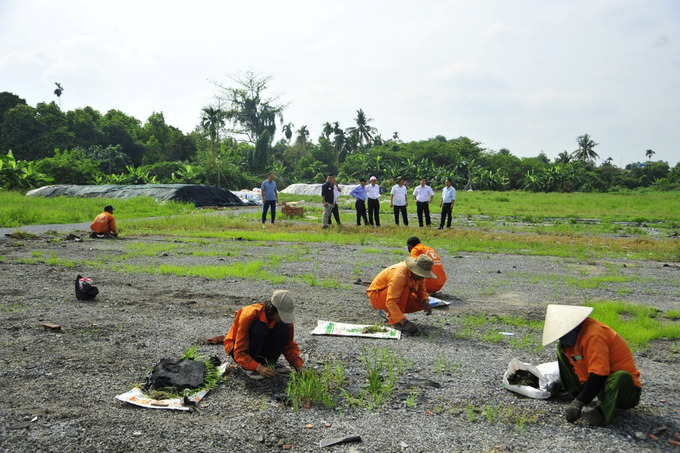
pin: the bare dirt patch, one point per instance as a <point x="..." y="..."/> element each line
<point x="59" y="386"/>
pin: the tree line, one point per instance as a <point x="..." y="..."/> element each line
<point x="233" y="146"/>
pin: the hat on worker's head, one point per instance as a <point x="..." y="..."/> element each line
<point x="285" y="304"/>
<point x="373" y="178"/>
<point x="108" y="208"/>
<point x="421" y="266"/>
<point x="562" y="319"/>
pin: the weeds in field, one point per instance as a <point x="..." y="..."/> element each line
<point x="638" y="324"/>
<point x="471" y="411"/>
<point x="673" y="314"/>
<point x="527" y="342"/>
<point x="383" y="368"/>
<point x="412" y="396"/>
<point x="312" y="387"/>
<point x="491" y="411"/>
<point x="440" y="365"/>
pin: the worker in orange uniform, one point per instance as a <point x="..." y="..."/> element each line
<point x="261" y="333"/>
<point x="400" y="289"/>
<point x="416" y="249"/>
<point x="594" y="361"/>
<point x="104" y="224"/>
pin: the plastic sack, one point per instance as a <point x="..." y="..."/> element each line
<point x="547" y="375"/>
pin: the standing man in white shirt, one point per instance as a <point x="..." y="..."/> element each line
<point x="423" y="195"/>
<point x="399" y="200"/>
<point x="373" y="193"/>
<point x="447" y="202"/>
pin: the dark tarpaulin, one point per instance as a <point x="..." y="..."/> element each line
<point x="198" y="194"/>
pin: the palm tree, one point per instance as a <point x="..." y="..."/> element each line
<point x="58" y="92"/>
<point x="212" y="120"/>
<point x="302" y="136"/>
<point x="287" y="130"/>
<point x="362" y="130"/>
<point x="649" y="153"/>
<point x="585" y="152"/>
<point x="327" y="130"/>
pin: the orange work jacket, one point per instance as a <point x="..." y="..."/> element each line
<point x="600" y="350"/>
<point x="104" y="223"/>
<point x="237" y="341"/>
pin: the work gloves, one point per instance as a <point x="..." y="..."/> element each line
<point x="573" y="411"/>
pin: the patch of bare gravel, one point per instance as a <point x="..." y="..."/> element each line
<point x="59" y="388"/>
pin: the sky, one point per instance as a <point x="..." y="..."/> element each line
<point x="529" y="76"/>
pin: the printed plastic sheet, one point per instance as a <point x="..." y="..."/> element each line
<point x="353" y="330"/>
<point x="137" y="397"/>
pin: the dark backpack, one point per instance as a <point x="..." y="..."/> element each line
<point x="85" y="290"/>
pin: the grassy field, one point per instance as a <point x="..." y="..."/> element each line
<point x="640" y="225"/>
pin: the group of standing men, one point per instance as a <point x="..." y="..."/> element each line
<point x="422" y="194"/>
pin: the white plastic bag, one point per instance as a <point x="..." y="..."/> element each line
<point x="547" y="374"/>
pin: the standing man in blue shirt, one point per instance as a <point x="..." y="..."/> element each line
<point x="359" y="194"/>
<point x="447" y="202"/>
<point x="270" y="196"/>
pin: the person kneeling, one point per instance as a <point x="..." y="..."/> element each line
<point x="594" y="361"/>
<point x="261" y="333"/>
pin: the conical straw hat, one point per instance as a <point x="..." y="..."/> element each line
<point x="560" y="319"/>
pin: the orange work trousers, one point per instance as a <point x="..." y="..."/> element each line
<point x="408" y="303"/>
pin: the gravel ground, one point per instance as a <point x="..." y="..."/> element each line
<point x="59" y="387"/>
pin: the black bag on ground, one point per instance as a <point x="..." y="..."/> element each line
<point x="85" y="290"/>
<point x="179" y="373"/>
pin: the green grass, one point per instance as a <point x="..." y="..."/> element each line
<point x="638" y="324"/>
<point x="17" y="210"/>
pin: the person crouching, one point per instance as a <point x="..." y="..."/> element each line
<point x="594" y="361"/>
<point x="261" y="333"/>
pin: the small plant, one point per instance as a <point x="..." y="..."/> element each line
<point x="412" y="396"/>
<point x="440" y="365"/>
<point x="312" y="387"/>
<point x="383" y="368"/>
<point x="491" y="411"/>
<point x="471" y="411"/>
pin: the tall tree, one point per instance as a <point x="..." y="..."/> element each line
<point x="58" y="92"/>
<point x="302" y="137"/>
<point x="649" y="153"/>
<point x="250" y="110"/>
<point x="362" y="130"/>
<point x="585" y="152"/>
<point x="327" y="130"/>
<point x="213" y="120"/>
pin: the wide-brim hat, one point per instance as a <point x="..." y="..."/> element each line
<point x="421" y="266"/>
<point x="108" y="207"/>
<point x="561" y="319"/>
<point x="285" y="304"/>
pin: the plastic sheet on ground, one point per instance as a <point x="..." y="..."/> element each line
<point x="137" y="397"/>
<point x="436" y="302"/>
<point x="249" y="197"/>
<point x="315" y="189"/>
<point x="547" y="374"/>
<point x="200" y="195"/>
<point x="353" y="330"/>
